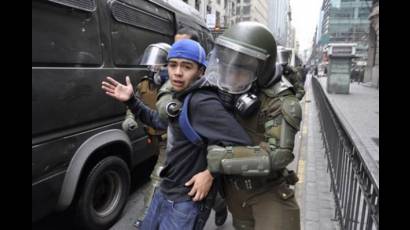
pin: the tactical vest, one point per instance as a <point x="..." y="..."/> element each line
<point x="270" y="111"/>
<point x="270" y="108"/>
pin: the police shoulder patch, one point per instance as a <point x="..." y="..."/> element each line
<point x="292" y="111"/>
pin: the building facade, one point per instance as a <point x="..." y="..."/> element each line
<point x="279" y="20"/>
<point x="372" y="68"/>
<point x="251" y="10"/>
<point x="346" y="21"/>
<point x="219" y="14"/>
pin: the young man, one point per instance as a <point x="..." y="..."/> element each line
<point x="185" y="178"/>
<point x="149" y="92"/>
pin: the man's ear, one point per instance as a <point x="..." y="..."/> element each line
<point x="201" y="71"/>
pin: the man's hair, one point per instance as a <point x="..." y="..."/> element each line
<point x="192" y="33"/>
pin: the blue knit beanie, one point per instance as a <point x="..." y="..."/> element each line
<point x="188" y="49"/>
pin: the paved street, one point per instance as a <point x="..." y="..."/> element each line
<point x="313" y="190"/>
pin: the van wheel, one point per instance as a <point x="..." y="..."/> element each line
<point x="104" y="194"/>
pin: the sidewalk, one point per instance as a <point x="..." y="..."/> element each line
<point x="313" y="193"/>
<point x="359" y="112"/>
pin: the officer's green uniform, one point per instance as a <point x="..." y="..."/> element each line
<point x="263" y="201"/>
<point x="256" y="181"/>
<point x="295" y="78"/>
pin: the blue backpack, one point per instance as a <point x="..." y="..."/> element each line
<point x="186" y="126"/>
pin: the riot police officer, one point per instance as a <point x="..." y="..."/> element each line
<point x="155" y="58"/>
<point x="293" y="75"/>
<point x="256" y="181"/>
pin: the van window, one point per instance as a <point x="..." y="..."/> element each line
<point x="137" y="24"/>
<point x="64" y="34"/>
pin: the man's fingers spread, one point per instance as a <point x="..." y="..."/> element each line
<point x="114" y="82"/>
<point x="107" y="89"/>
<point x="108" y="85"/>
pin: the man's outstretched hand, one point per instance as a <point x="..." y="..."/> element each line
<point x="117" y="90"/>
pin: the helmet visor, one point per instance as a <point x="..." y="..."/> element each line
<point x="231" y="71"/>
<point x="153" y="56"/>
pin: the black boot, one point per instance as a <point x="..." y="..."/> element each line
<point x="220" y="216"/>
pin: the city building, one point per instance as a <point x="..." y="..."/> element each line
<point x="279" y="20"/>
<point x="252" y="10"/>
<point x="218" y="14"/>
<point x="372" y="68"/>
<point x="345" y="21"/>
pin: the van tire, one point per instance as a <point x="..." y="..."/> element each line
<point x="109" y="180"/>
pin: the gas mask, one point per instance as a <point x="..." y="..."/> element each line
<point x="234" y="75"/>
<point x="243" y="104"/>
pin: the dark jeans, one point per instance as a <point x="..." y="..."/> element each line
<point x="169" y="215"/>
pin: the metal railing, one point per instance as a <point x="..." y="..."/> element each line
<point x="354" y="178"/>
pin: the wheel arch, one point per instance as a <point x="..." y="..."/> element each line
<point x="89" y="153"/>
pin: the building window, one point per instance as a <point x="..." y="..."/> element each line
<point x="364" y="12"/>
<point x="219" y="2"/>
<point x="186" y="1"/>
<point x="238" y="10"/>
<point x="218" y="21"/>
<point x="348" y="0"/>
<point x="342" y="13"/>
<point x="225" y="4"/>
<point x="238" y="1"/>
<point x="246" y="1"/>
<point x="339" y="28"/>
<point x="197" y="3"/>
<point x="246" y="10"/>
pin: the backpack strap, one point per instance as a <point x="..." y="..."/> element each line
<point x="185" y="124"/>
